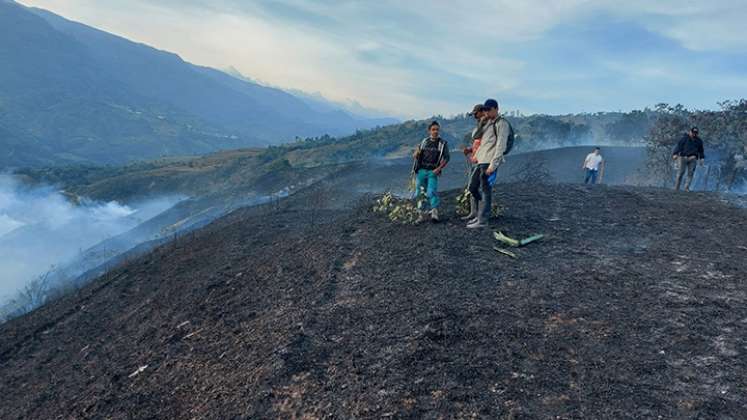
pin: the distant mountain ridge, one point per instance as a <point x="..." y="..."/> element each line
<point x="320" y="103"/>
<point x="72" y="93"/>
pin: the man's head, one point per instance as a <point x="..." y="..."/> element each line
<point x="477" y="111"/>
<point x="694" y="132"/>
<point x="597" y="150"/>
<point x="433" y="129"/>
<point x="491" y="108"/>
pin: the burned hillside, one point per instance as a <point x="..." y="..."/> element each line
<point x="633" y="306"/>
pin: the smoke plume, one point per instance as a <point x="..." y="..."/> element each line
<point x="40" y="229"/>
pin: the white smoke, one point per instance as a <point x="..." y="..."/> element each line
<point x="40" y="229"/>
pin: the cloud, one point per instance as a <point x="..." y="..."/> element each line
<point x="420" y="58"/>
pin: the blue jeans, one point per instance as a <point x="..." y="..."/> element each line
<point x="428" y="181"/>
<point x="591" y="175"/>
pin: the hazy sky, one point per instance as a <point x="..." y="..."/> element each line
<point x="418" y="58"/>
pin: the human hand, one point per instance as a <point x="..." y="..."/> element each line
<point x="490" y="170"/>
<point x="437" y="172"/>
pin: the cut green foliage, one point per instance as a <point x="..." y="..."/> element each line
<point x="501" y="237"/>
<point x="398" y="210"/>
<point x="530" y="239"/>
<point x="462" y="205"/>
<point x="506" y="252"/>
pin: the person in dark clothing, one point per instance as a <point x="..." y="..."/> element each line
<point x="687" y="153"/>
<point x="431" y="157"/>
<point x="471" y="153"/>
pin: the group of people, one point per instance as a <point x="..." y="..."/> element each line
<point x="688" y="153"/>
<point x="490" y="138"/>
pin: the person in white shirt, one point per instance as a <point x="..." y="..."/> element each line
<point x="594" y="167"/>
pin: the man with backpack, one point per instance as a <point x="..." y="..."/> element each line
<point x="497" y="137"/>
<point x="431" y="157"/>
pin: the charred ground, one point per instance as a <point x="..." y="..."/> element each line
<point x="635" y="306"/>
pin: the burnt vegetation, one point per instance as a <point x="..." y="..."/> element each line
<point x="612" y="315"/>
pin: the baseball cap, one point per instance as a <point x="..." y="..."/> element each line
<point x="490" y="104"/>
<point x="477" y="108"/>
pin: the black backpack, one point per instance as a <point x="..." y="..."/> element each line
<point x="511" y="135"/>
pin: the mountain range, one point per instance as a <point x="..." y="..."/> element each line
<point x="72" y="93"/>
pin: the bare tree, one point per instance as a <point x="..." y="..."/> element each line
<point x="320" y="199"/>
<point x="35" y="293"/>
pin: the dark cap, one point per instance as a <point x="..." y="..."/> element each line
<point x="694" y="130"/>
<point x="490" y="104"/>
<point x="477" y="108"/>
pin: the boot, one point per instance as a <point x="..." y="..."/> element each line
<point x="482" y="216"/>
<point x="434" y="216"/>
<point x="472" y="209"/>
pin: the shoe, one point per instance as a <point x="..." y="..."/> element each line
<point x="472" y="220"/>
<point x="421" y="218"/>
<point x="434" y="215"/>
<point x="477" y="224"/>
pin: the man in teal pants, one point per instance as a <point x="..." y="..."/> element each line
<point x="431" y="158"/>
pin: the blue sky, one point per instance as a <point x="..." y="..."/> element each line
<point x="419" y="58"/>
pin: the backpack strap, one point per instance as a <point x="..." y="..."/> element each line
<point x="441" y="146"/>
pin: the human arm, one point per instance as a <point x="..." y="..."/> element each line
<point x="444" y="160"/>
<point x="468" y="149"/>
<point x="677" y="149"/>
<point x="701" y="150"/>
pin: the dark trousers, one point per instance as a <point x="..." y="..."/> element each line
<point x="481" y="190"/>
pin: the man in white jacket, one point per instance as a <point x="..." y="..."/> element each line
<point x="494" y="132"/>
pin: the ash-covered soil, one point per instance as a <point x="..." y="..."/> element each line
<point x="635" y="306"/>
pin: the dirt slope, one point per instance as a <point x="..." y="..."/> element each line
<point x="632" y="308"/>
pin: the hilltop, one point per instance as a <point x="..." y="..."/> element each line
<point x="265" y="171"/>
<point x="631" y="308"/>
